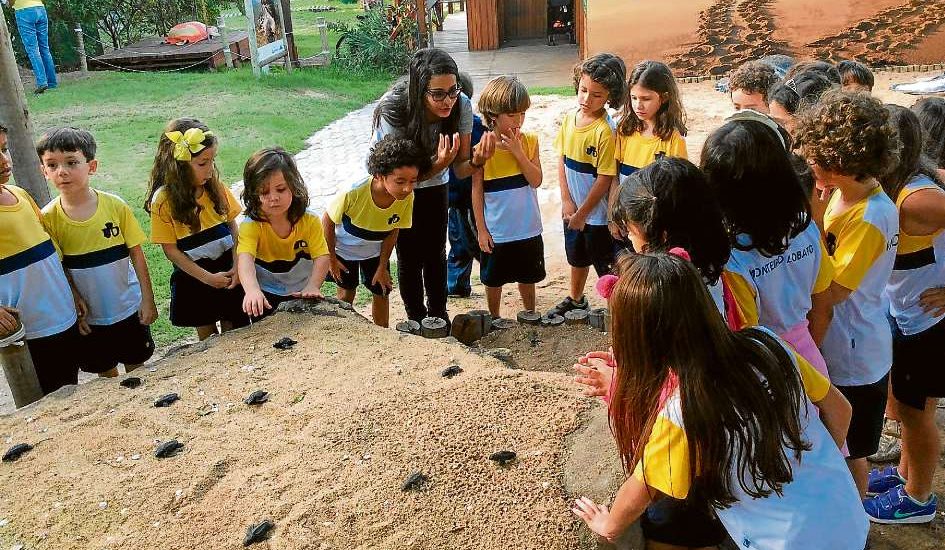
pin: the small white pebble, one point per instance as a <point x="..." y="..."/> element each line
<point x="17" y="547"/>
<point x="43" y="430"/>
<point x="346" y="457"/>
<point x="156" y="524"/>
<point x="111" y="411"/>
<point x="366" y="457"/>
<point x="119" y="458"/>
<point x="151" y="369"/>
<point x="248" y="368"/>
<point x="200" y="392"/>
<point x="327" y="524"/>
<point x="3" y="522"/>
<point x="545" y="485"/>
<point x="9" y="440"/>
<point x="136" y="456"/>
<point x="103" y="505"/>
<point x="57" y="505"/>
<point x="178" y="493"/>
<point x="30" y="419"/>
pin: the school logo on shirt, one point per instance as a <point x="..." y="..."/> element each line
<point x="110" y="230"/>
<point x="300" y="244"/>
<point x="393" y="219"/>
<point x="591" y="151"/>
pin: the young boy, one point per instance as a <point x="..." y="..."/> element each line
<point x="98" y="233"/>
<point x="586" y="170"/>
<point x="855" y="77"/>
<point x="362" y="223"/>
<point x="505" y="204"/>
<point x="33" y="285"/>
<point x="862" y="232"/>
<point x="749" y="85"/>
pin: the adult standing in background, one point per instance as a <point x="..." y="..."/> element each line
<point x="429" y="107"/>
<point x="33" y="24"/>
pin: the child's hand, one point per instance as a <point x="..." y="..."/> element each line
<point x="310" y="292"/>
<point x="148" y="313"/>
<point x="932" y="301"/>
<point x="84" y="328"/>
<point x="8" y="320"/>
<point x="596" y="516"/>
<point x="512" y="142"/>
<point x="234" y="278"/>
<point x="483" y="150"/>
<point x="577" y="221"/>
<point x="218" y="280"/>
<point x="567" y="210"/>
<point x="382" y="278"/>
<point x="447" y="149"/>
<point x="595" y="374"/>
<point x="336" y="268"/>
<point x="486" y="244"/>
<point x="255" y="303"/>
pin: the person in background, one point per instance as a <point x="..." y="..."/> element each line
<point x="749" y="85"/>
<point x="856" y="77"/>
<point x="33" y="24"/>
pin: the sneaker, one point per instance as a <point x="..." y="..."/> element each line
<point x="895" y="506"/>
<point x="40" y="89"/>
<point x="568" y="304"/>
<point x="890" y="443"/>
<point x="883" y="480"/>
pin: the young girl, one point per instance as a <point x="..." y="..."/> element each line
<point x="779" y="269"/>
<point x="785" y="99"/>
<point x="282" y="251"/>
<point x="193" y="219"/>
<point x="931" y="113"/>
<point x="904" y="493"/>
<point x="723" y="419"/>
<point x="847" y="140"/>
<point x="586" y="169"/>
<point x="505" y="204"/>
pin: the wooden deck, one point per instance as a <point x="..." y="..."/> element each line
<point x="153" y="54"/>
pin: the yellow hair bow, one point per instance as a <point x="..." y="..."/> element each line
<point x="189" y="143"/>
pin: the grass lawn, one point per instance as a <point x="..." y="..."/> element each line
<point x="127" y="112"/>
<point x="304" y="23"/>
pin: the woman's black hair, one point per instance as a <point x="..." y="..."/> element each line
<point x="757" y="188"/>
<point x="672" y="205"/>
<point x="404" y="106"/>
<point x="912" y="161"/>
<point x="609" y="71"/>
<point x="931" y="113"/>
<point x="804" y="90"/>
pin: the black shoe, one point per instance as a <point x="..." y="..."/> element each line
<point x="567" y="305"/>
<point x="40" y="90"/>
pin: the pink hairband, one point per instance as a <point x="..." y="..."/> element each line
<point x="605" y="285"/>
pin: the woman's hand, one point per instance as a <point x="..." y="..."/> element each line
<point x="596" y="516"/>
<point x="447" y="149"/>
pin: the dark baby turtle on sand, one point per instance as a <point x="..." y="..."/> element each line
<point x="166" y="400"/>
<point x="130" y="382"/>
<point x="258" y="532"/>
<point x="284" y="343"/>
<point x="502" y="457"/>
<point x="16" y="451"/>
<point x="414" y="481"/>
<point x="451" y="371"/>
<point x="258" y="397"/>
<point x="168" y="449"/>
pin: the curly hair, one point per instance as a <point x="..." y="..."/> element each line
<point x="391" y="153"/>
<point x="659" y="78"/>
<point x="67" y="140"/>
<point x="256" y="173"/>
<point x="609" y="71"/>
<point x="754" y="77"/>
<point x="848" y="133"/>
<point x="503" y="95"/>
<point x="931" y="113"/>
<point x="177" y="177"/>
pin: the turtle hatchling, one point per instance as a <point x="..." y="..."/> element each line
<point x="284" y="343"/>
<point x="166" y="400"/>
<point x="130" y="382"/>
<point x="258" y="397"/>
<point x="451" y="371"/>
<point x="414" y="481"/>
<point x="258" y="532"/>
<point x="503" y="457"/>
<point x="168" y="449"/>
<point x="16" y="451"/>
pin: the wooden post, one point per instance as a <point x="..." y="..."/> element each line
<point x="323" y="34"/>
<point x="422" y="22"/>
<point x="253" y="46"/>
<point x="15" y="116"/>
<point x="285" y="40"/>
<point x="290" y="33"/>
<point x="227" y="53"/>
<point x="18" y="369"/>
<point x="83" y="61"/>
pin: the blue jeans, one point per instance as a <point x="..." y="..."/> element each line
<point x="34" y="32"/>
<point x="464" y="248"/>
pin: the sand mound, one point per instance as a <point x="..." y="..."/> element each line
<point x="353" y="411"/>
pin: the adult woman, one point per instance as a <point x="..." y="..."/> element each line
<point x="429" y="108"/>
<point x="33" y="24"/>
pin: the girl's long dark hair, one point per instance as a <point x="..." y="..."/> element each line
<point x="740" y="393"/>
<point x="751" y="173"/>
<point x="931" y="113"/>
<point x="177" y="177"/>
<point x="259" y="167"/>
<point x="404" y="106"/>
<point x="658" y="77"/>
<point x="672" y="205"/>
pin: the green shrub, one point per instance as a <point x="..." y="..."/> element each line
<point x="381" y="40"/>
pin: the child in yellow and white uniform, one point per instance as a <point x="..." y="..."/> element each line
<point x="98" y="235"/>
<point x="33" y="283"/>
<point x="282" y="251"/>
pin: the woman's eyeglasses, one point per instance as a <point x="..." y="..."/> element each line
<point x="441" y="95"/>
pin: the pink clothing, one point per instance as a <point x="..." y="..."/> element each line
<point x="803" y="343"/>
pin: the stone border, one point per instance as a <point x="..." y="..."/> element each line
<point x="882" y="69"/>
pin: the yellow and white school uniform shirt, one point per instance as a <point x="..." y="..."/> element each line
<point x="361" y="226"/>
<point x="920" y="265"/>
<point x="211" y="241"/>
<point x="635" y="151"/>
<point x="511" y="204"/>
<point x="588" y="152"/>
<point x="820" y="504"/>
<point x="31" y="276"/>
<point x="862" y="245"/>
<point x="23" y="4"/>
<point x="95" y="252"/>
<point x="283" y="266"/>
<point x="775" y="291"/>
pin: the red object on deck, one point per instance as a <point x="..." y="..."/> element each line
<point x="190" y="32"/>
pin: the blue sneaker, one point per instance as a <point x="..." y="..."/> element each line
<point x="883" y="480"/>
<point x="895" y="506"/>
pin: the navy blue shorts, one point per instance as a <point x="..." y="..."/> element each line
<point x="869" y="408"/>
<point x="127" y="342"/>
<point x="55" y="359"/>
<point x="194" y="304"/>
<point x="682" y="523"/>
<point x="592" y="246"/>
<point x="367" y="269"/>
<point x="513" y="262"/>
<point x="917" y="373"/>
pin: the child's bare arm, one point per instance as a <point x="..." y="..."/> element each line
<point x="568" y="208"/>
<point x="598" y="191"/>
<point x="184" y="263"/>
<point x="631" y="500"/>
<point x="382" y="275"/>
<point x="335" y="267"/>
<point x="148" y="313"/>
<point x="313" y="289"/>
<point x="254" y="301"/>
<point x="479" y="212"/>
<point x="835" y="413"/>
